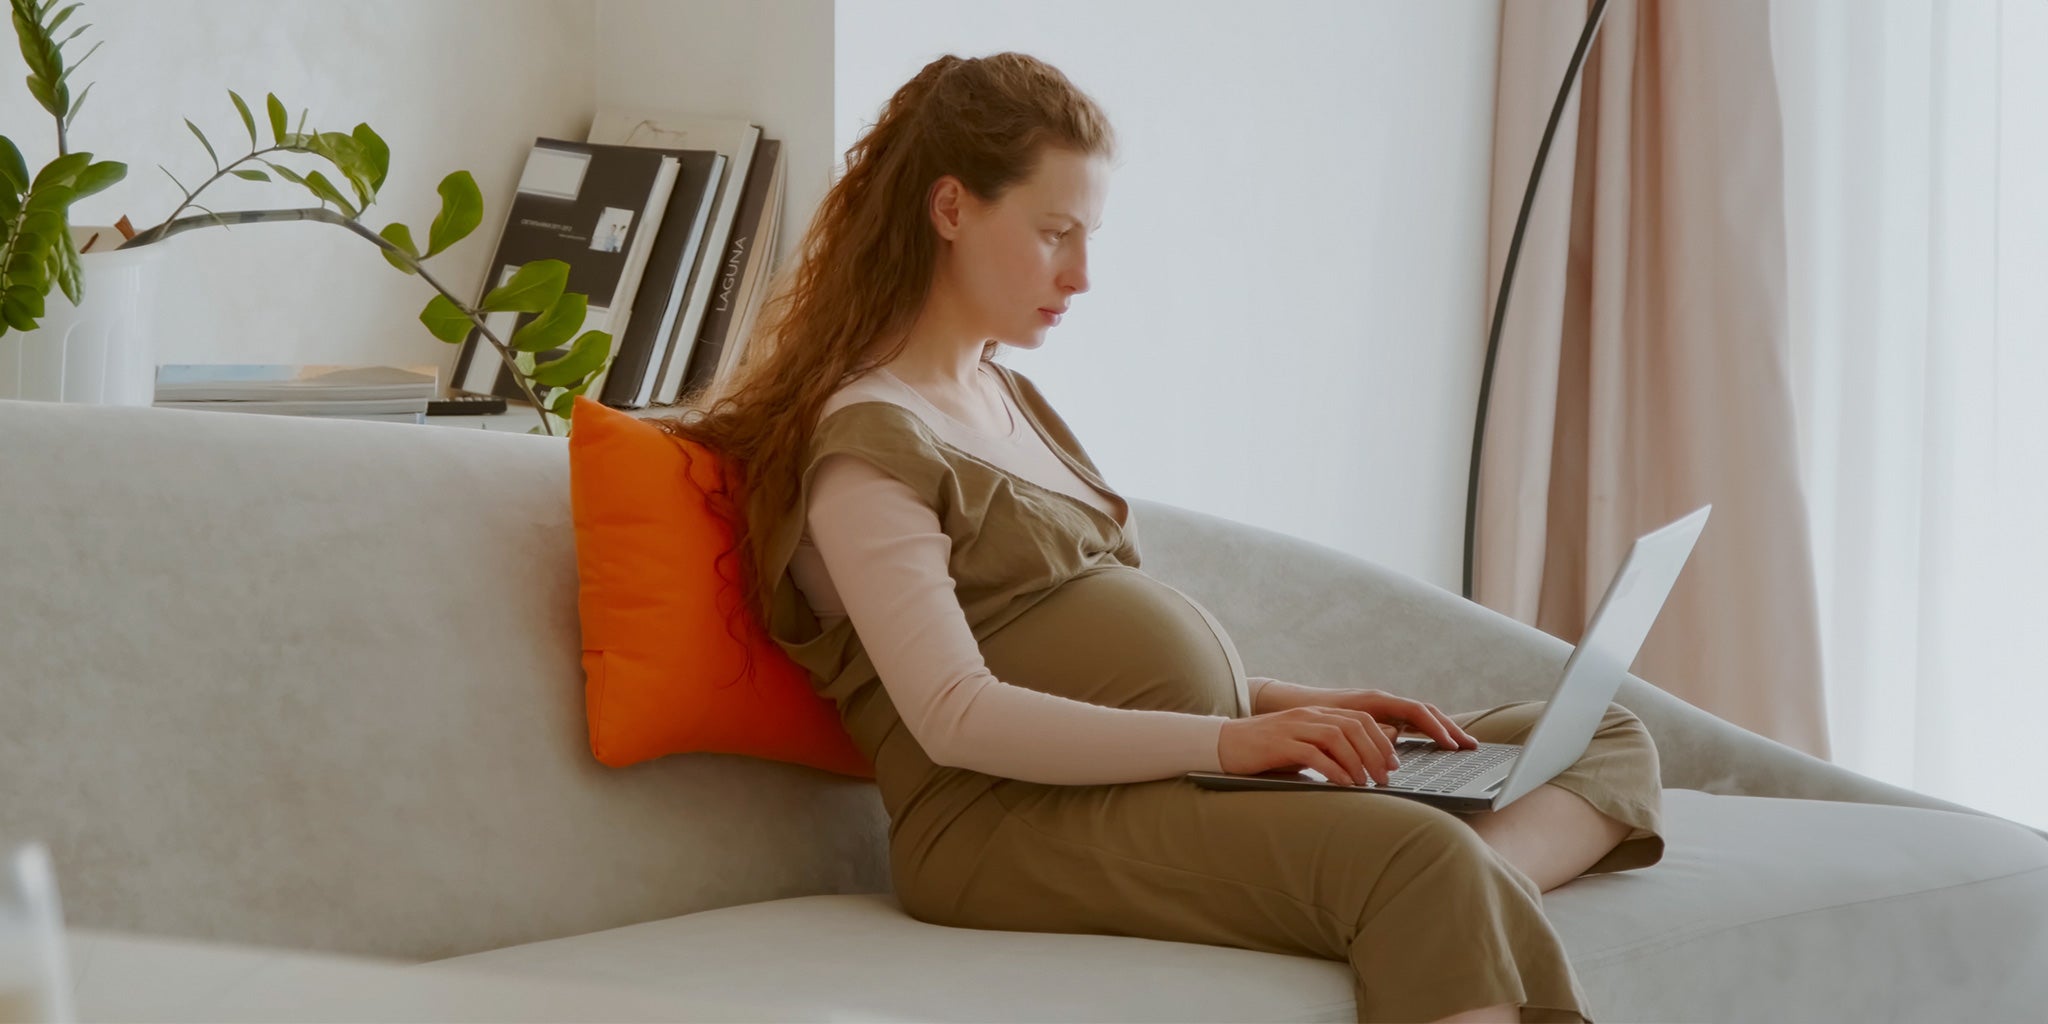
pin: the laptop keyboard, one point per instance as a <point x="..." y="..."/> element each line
<point x="1427" y="768"/>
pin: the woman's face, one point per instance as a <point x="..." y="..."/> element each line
<point x="1003" y="266"/>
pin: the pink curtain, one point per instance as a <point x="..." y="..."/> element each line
<point x="1643" y="365"/>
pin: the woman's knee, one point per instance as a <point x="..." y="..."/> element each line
<point x="1429" y="835"/>
<point x="1620" y="721"/>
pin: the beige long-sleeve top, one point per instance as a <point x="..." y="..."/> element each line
<point x="873" y="551"/>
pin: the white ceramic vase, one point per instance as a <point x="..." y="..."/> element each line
<point x="100" y="352"/>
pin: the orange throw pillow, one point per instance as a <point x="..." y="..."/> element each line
<point x="663" y="672"/>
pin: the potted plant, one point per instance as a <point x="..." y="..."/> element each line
<point x="43" y="250"/>
<point x="68" y="355"/>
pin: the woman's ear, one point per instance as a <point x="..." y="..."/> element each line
<point x="946" y="206"/>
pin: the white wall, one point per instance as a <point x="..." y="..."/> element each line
<point x="770" y="63"/>
<point x="1285" y="322"/>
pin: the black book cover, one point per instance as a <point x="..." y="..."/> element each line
<point x="667" y="276"/>
<point x="577" y="202"/>
<point x="722" y="318"/>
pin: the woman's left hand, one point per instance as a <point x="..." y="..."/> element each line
<point x="1385" y="708"/>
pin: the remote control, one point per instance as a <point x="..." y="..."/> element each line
<point x="466" y="405"/>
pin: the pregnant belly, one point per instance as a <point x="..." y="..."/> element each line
<point x="1120" y="638"/>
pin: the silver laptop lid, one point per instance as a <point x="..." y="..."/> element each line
<point x="1614" y="636"/>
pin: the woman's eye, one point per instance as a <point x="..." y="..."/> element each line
<point x="1058" y="236"/>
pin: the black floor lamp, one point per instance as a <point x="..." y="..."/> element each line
<point x="1507" y="275"/>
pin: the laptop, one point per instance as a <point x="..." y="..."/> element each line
<point x="1497" y="774"/>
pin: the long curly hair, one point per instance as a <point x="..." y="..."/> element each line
<point x="863" y="272"/>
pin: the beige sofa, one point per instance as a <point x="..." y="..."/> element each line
<point x="316" y="684"/>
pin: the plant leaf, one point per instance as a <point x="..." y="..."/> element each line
<point x="584" y="359"/>
<point x="16" y="315"/>
<point x="70" y="277"/>
<point x="446" y="320"/>
<point x="61" y="170"/>
<point x="33" y="45"/>
<point x="248" y="119"/>
<point x="73" y="66"/>
<point x="285" y="172"/>
<point x="12" y="167"/>
<point x="462" y="209"/>
<point x="249" y="175"/>
<point x="175" y="181"/>
<point x="56" y="198"/>
<point x="43" y="223"/>
<point x="31" y="269"/>
<point x="275" y="108"/>
<point x="216" y="217"/>
<point x="401" y="236"/>
<point x="72" y="114"/>
<point x="41" y="89"/>
<point x="28" y="297"/>
<point x="376" y="155"/>
<point x="554" y="326"/>
<point x="564" y="400"/>
<point x="56" y="23"/>
<point x="533" y="288"/>
<point x="98" y="176"/>
<point x="215" y="157"/>
<point x="325" y="189"/>
<point x="341" y="150"/>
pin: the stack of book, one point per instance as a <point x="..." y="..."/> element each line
<point x="667" y="222"/>
<point x="388" y="393"/>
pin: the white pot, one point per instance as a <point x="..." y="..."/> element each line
<point x="101" y="352"/>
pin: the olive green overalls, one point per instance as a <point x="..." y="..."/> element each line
<point x="1431" y="919"/>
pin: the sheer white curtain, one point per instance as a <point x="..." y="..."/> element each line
<point x="1916" y="158"/>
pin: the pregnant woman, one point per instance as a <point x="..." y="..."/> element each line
<point x="924" y="533"/>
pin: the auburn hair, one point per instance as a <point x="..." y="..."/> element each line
<point x="862" y="274"/>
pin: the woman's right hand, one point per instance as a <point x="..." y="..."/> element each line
<point x="1344" y="745"/>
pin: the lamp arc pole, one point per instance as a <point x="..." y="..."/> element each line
<point x="1507" y="275"/>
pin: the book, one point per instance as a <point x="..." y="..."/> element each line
<point x="737" y="272"/>
<point x="759" y="279"/>
<point x="269" y="381"/>
<point x="596" y="208"/>
<point x="737" y="140"/>
<point x="662" y="287"/>
<point x="353" y="407"/>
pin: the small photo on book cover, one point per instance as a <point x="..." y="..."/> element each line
<point x="612" y="225"/>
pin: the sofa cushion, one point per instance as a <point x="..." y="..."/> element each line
<point x="672" y="662"/>
<point x="1762" y="909"/>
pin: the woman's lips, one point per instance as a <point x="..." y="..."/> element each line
<point x="1051" y="317"/>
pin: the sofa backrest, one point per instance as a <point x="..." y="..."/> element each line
<point x="317" y="684"/>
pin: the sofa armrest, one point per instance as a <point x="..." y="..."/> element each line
<point x="1310" y="614"/>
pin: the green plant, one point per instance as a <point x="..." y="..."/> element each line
<point x="36" y="247"/>
<point x="361" y="158"/>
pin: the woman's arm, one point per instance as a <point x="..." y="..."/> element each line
<point x="1257" y="685"/>
<point x="887" y="556"/>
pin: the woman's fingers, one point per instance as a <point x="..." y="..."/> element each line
<point x="1313" y="756"/>
<point x="1375" y="752"/>
<point x="1381" y="740"/>
<point x="1332" y="738"/>
<point x="1428" y="719"/>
